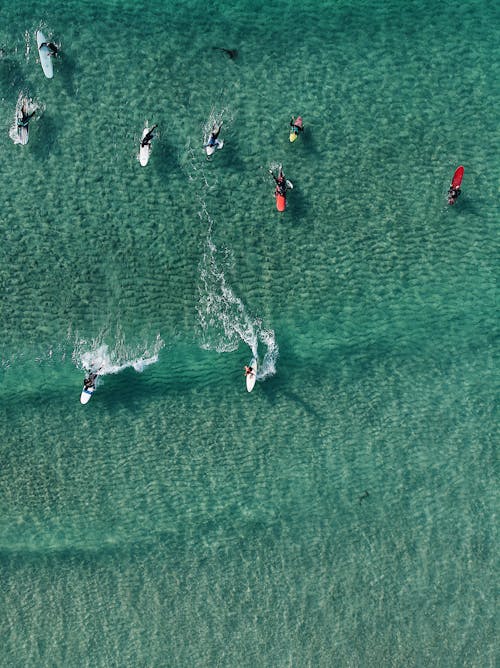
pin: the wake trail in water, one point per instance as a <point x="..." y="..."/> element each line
<point x="223" y="317"/>
<point x="97" y="356"/>
<point x="27" y="41"/>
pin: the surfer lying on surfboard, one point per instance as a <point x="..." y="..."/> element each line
<point x="148" y="138"/>
<point x="455" y="184"/>
<point x="297" y="126"/>
<point x="281" y="182"/>
<point x="53" y="49"/>
<point x="89" y="382"/>
<point x="282" y="185"/>
<point x="453" y="194"/>
<point x="212" y="140"/>
<point x="24" y="118"/>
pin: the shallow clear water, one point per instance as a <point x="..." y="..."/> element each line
<point x="178" y="520"/>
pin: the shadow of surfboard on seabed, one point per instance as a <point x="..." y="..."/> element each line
<point x="65" y="70"/>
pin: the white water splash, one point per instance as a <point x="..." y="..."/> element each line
<point x="224" y="319"/>
<point x="268" y="365"/>
<point x="98" y="357"/>
<point x="215" y="118"/>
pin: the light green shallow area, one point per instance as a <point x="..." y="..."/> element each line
<point x="343" y="513"/>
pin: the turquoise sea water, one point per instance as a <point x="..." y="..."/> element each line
<point x="178" y="520"/>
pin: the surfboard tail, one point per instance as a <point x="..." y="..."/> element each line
<point x="457" y="177"/>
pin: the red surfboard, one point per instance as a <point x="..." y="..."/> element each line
<point x="457" y="177"/>
<point x="280" y="201"/>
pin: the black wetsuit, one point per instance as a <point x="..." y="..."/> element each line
<point x="23" y="122"/>
<point x="149" y="137"/>
<point x="89" y="382"/>
<point x="280" y="185"/>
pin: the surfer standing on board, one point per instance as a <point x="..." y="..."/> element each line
<point x="248" y="370"/>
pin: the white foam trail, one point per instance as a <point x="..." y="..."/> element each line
<point x="27" y="40"/>
<point x="194" y="170"/>
<point x="98" y="357"/>
<point x="268" y="365"/>
<point x="224" y="319"/>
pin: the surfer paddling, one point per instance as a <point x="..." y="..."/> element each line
<point x="297" y="126"/>
<point x="453" y="194"/>
<point x="213" y="142"/>
<point x="53" y="48"/>
<point x="214" y="135"/>
<point x="89" y="382"/>
<point x="456" y="182"/>
<point x="149" y="136"/>
<point x="25" y="115"/>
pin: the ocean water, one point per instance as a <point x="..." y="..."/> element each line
<point x="344" y="512"/>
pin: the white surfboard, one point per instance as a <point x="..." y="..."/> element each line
<point x="144" y="151"/>
<point x="23" y="134"/>
<point x="251" y="377"/>
<point x="210" y="150"/>
<point x="86" y="395"/>
<point x="44" y="52"/>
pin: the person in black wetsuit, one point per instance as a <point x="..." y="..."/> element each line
<point x="148" y="137"/>
<point x="280" y="180"/>
<point x="53" y="48"/>
<point x="89" y="382"/>
<point x="25" y="116"/>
